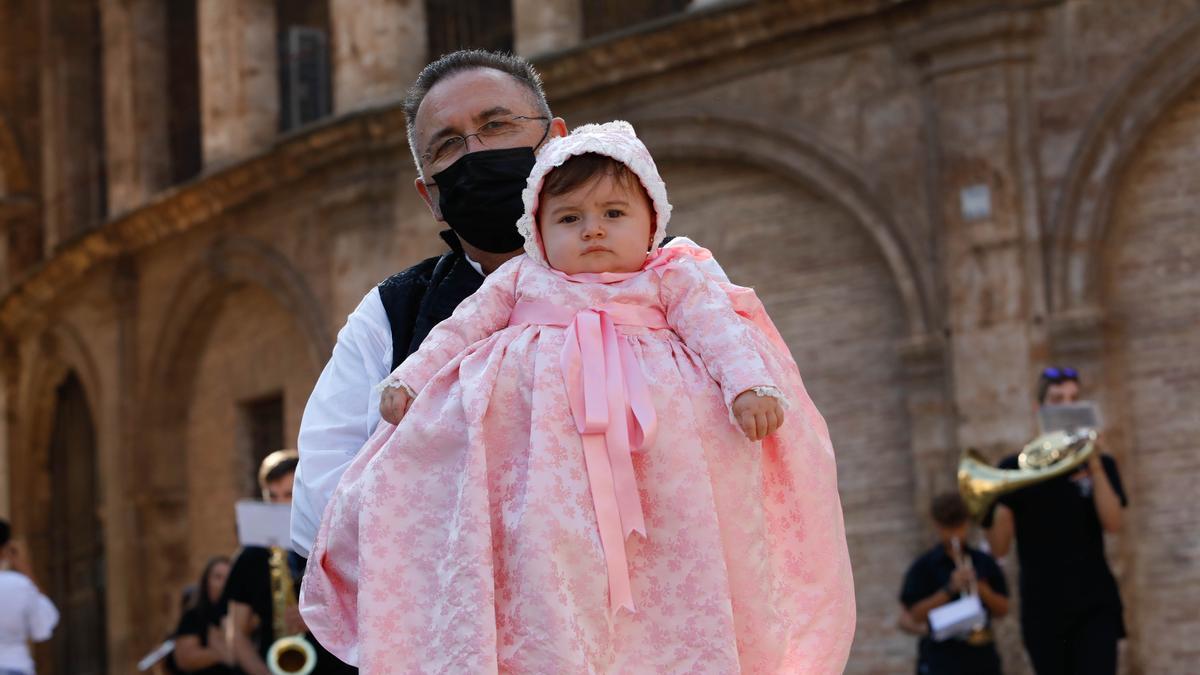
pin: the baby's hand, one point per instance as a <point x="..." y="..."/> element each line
<point x="757" y="415"/>
<point x="394" y="403"/>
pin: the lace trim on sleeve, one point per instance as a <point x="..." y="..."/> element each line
<point x="774" y="393"/>
<point x="761" y="390"/>
<point x="390" y="383"/>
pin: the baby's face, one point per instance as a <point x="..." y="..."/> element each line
<point x="601" y="226"/>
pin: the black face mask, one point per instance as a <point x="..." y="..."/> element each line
<point x="480" y="197"/>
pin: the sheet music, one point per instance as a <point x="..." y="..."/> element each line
<point x="160" y="652"/>
<point x="262" y="524"/>
<point x="1069" y="417"/>
<point x="956" y="618"/>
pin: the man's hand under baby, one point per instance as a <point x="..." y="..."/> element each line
<point x="394" y="403"/>
<point x="757" y="415"/>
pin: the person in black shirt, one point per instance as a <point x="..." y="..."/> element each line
<point x="200" y="646"/>
<point x="1070" y="606"/>
<point x="251" y="608"/>
<point x="937" y="578"/>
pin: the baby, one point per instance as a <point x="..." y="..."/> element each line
<point x="597" y="387"/>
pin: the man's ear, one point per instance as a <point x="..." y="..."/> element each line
<point x="558" y="127"/>
<point x="430" y="199"/>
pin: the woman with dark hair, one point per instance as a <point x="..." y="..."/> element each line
<point x="25" y="614"/>
<point x="200" y="645"/>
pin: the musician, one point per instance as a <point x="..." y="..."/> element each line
<point x="248" y="589"/>
<point x="942" y="575"/>
<point x="1070" y="607"/>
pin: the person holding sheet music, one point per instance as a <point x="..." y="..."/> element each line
<point x="940" y="576"/>
<point x="1070" y="606"/>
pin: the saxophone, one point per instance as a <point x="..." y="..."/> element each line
<point x="289" y="654"/>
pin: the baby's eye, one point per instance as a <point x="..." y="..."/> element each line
<point x="614" y="213"/>
<point x="567" y="220"/>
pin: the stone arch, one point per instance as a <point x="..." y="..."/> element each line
<point x="56" y="354"/>
<point x="230" y="265"/>
<point x="803" y="158"/>
<point x="1131" y="108"/>
<point x="1146" y="278"/>
<point x="55" y="357"/>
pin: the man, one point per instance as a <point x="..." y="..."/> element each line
<point x="1070" y="607"/>
<point x="475" y="120"/>
<point x="937" y="578"/>
<point x="247" y="592"/>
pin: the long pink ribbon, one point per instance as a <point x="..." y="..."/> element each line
<point x="614" y="414"/>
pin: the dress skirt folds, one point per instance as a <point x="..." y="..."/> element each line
<point x="568" y="493"/>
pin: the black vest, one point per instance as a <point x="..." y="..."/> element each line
<point x="424" y="295"/>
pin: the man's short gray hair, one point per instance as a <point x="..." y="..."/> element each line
<point x="462" y="60"/>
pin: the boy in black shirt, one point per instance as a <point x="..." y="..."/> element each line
<point x="248" y="589"/>
<point x="937" y="578"/>
<point x="1070" y="606"/>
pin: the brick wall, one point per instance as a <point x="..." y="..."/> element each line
<point x="254" y="350"/>
<point x="1152" y="287"/>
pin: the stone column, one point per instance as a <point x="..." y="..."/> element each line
<point x="136" y="109"/>
<point x="71" y="97"/>
<point x="931" y="415"/>
<point x="975" y="81"/>
<point x="130" y="635"/>
<point x="546" y="25"/>
<point x="239" y="78"/>
<point x="379" y="46"/>
<point x="976" y="87"/>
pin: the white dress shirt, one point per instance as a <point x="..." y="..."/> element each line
<point x="343" y="410"/>
<point x="25" y="616"/>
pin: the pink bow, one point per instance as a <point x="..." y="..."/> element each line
<point x="614" y="415"/>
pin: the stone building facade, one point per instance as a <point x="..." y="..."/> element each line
<point x="935" y="198"/>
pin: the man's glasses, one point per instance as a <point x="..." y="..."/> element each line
<point x="1057" y="375"/>
<point x="493" y="132"/>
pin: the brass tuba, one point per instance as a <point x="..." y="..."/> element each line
<point x="1047" y="456"/>
<point x="289" y="654"/>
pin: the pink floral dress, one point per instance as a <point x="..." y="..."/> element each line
<point x="568" y="493"/>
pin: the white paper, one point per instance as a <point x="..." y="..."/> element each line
<point x="262" y="524"/>
<point x="956" y="618"/>
<point x="160" y="652"/>
<point x="1070" y="417"/>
